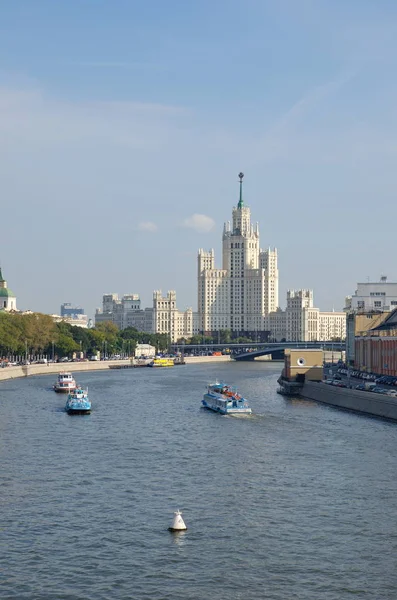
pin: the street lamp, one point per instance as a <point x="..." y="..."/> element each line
<point x="53" y="353"/>
<point x="26" y="352"/>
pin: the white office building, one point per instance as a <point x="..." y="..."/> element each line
<point x="332" y="325"/>
<point x="380" y="296"/>
<point x="241" y="294"/>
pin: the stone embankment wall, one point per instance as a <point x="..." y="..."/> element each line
<point x="369" y="403"/>
<point x="16" y="372"/>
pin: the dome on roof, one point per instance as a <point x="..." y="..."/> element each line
<point x="6" y="293"/>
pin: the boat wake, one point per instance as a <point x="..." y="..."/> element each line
<point x="240" y="416"/>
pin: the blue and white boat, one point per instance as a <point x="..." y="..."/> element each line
<point x="225" y="400"/>
<point x="78" y="402"/>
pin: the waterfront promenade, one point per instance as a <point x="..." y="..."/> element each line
<point x="26" y="371"/>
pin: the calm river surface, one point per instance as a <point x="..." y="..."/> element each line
<point x="298" y="501"/>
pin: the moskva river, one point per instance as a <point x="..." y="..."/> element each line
<point x="298" y="501"/>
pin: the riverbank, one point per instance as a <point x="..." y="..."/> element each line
<point x="29" y="370"/>
<point x="369" y="403"/>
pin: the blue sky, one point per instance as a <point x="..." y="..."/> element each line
<point x="124" y="124"/>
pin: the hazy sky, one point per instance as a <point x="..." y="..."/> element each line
<point x="124" y="125"/>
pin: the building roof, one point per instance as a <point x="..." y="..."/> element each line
<point x="6" y="293"/>
<point x="389" y="323"/>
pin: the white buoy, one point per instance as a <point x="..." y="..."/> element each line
<point x="178" y="524"/>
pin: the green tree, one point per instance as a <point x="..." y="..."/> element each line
<point x="225" y="336"/>
<point x="10" y="334"/>
<point x="40" y="330"/>
<point x="65" y="345"/>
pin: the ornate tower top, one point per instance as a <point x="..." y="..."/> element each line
<point x="241" y="202"/>
<point x="5" y="292"/>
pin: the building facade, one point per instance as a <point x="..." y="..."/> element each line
<point x="123" y="312"/>
<point x="302" y="318"/>
<point x="332" y="326"/>
<point x="8" y="299"/>
<point x="74" y="315"/>
<point x="67" y="310"/>
<point x="376" y="349"/>
<point x="241" y="294"/>
<point x="75" y="320"/>
<point x="378" y="296"/>
<point x="357" y="325"/>
<point x="376" y="355"/>
<point x="301" y="321"/>
<point x="162" y="317"/>
<point x="366" y="309"/>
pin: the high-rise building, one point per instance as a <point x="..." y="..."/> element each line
<point x="162" y="317"/>
<point x="123" y="313"/>
<point x="301" y="321"/>
<point x="302" y="318"/>
<point x="241" y="294"/>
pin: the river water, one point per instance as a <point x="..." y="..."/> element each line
<point x="298" y="501"/>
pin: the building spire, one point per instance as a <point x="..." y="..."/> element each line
<point x="1" y="276"/>
<point x="241" y="202"/>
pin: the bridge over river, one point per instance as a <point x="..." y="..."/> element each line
<point x="255" y="349"/>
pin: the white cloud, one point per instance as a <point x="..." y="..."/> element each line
<point x="200" y="223"/>
<point x="148" y="226"/>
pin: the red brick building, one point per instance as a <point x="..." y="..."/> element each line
<point x="377" y="351"/>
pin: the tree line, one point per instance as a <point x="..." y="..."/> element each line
<point x="39" y="334"/>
